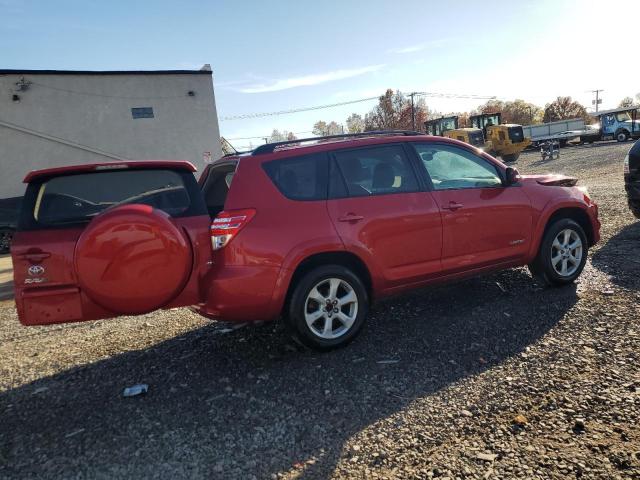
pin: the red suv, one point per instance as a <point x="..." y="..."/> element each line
<point x="310" y="232"/>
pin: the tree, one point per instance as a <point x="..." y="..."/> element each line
<point x="563" y="108"/>
<point x="516" y="111"/>
<point x="323" y="128"/>
<point x="627" y="102"/>
<point x="355" y="123"/>
<point x="278" y="136"/>
<point x="393" y="112"/>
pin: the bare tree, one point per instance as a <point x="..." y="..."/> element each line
<point x="394" y="112"/>
<point x="627" y="102"/>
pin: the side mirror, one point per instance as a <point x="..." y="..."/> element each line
<point x="511" y="176"/>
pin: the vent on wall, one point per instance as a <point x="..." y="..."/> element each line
<point x="142" y="112"/>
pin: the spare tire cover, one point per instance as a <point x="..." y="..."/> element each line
<point x="132" y="259"/>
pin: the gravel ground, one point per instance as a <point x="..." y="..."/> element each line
<point x="489" y="378"/>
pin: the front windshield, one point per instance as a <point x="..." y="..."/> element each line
<point x="623" y="116"/>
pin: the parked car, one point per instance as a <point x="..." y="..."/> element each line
<point x="632" y="178"/>
<point x="310" y="232"/>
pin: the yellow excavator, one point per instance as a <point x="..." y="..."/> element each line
<point x="505" y="140"/>
<point x="485" y="132"/>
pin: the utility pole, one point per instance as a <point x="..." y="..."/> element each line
<point x="413" y="112"/>
<point x="598" y="100"/>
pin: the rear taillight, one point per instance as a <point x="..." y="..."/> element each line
<point x="227" y="225"/>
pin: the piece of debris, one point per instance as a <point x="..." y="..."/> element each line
<point x="578" y="425"/>
<point x="74" y="433"/>
<point x="504" y="290"/>
<point x="520" y="420"/>
<point x="466" y="413"/>
<point x="135" y="390"/>
<point x="40" y="390"/>
<point x="487" y="457"/>
<point x="388" y="361"/>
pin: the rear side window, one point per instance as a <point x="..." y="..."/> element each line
<point x="78" y="198"/>
<point x="300" y="178"/>
<point x="374" y="171"/>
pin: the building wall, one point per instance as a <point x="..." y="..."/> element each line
<point x="64" y="119"/>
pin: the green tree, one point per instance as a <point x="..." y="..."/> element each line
<point x="355" y="123"/>
<point x="322" y="128"/>
<point x="563" y="108"/>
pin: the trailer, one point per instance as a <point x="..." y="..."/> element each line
<point x="562" y="131"/>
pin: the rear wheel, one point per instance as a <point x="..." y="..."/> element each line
<point x="6" y="234"/>
<point x="510" y="158"/>
<point x="327" y="308"/>
<point x="562" y="254"/>
<point x="622" y="136"/>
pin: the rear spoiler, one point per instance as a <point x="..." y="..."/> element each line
<point x="96" y="167"/>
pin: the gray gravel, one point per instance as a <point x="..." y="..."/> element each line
<point x="489" y="378"/>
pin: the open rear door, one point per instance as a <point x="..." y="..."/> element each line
<point x="105" y="240"/>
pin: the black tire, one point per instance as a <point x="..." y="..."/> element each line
<point x="542" y="267"/>
<point x="622" y="135"/>
<point x="510" y="158"/>
<point x="6" y="234"/>
<point x="300" y="304"/>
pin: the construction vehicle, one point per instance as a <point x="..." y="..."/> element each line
<point x="448" y="127"/>
<point x="504" y="140"/>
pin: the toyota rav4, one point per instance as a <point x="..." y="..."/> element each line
<point x="312" y="232"/>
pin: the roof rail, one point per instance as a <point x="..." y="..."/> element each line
<point x="270" y="147"/>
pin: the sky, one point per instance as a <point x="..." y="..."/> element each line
<point x="270" y="56"/>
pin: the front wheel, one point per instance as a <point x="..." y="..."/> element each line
<point x="510" y="158"/>
<point x="327" y="308"/>
<point x="622" y="136"/>
<point x="562" y="254"/>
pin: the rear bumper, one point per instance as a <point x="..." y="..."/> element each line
<point x="592" y="211"/>
<point x="239" y="294"/>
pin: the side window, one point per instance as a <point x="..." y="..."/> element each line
<point x="300" y="178"/>
<point x="374" y="171"/>
<point x="453" y="168"/>
<point x="79" y="198"/>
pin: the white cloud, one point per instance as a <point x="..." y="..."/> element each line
<point x="308" y="80"/>
<point x="419" y="46"/>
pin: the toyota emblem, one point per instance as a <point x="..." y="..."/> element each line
<point x="35" y="270"/>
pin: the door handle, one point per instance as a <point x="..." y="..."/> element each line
<point x="35" y="257"/>
<point x="453" y="206"/>
<point x="350" y="217"/>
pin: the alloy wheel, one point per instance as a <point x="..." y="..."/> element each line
<point x="566" y="252"/>
<point x="331" y="308"/>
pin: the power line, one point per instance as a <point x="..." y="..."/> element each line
<point x="295" y="110"/>
<point x="349" y="102"/>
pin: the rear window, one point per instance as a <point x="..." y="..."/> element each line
<point x="373" y="171"/>
<point x="78" y="198"/>
<point x="300" y="178"/>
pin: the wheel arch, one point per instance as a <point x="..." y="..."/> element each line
<point x="343" y="258"/>
<point x="576" y="214"/>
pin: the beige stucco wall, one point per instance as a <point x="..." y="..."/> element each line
<point x="95" y="111"/>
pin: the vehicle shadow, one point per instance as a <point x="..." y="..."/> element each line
<point x="620" y="257"/>
<point x="248" y="403"/>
